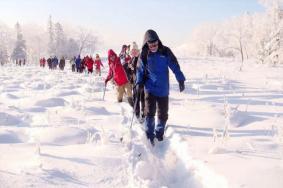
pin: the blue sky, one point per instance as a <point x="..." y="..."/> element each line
<point x="124" y="21"/>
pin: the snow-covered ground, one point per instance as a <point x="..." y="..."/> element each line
<point x="225" y="130"/>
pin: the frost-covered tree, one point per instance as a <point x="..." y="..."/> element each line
<point x="19" y="52"/>
<point x="56" y="39"/>
<point x="238" y="34"/>
<point x="36" y="38"/>
<point x="60" y="41"/>
<point x="51" y="42"/>
<point x="72" y="48"/>
<point x="203" y="40"/>
<point x="87" y="42"/>
<point x="270" y="48"/>
<point x="258" y="36"/>
<point x="3" y="54"/>
<point x="4" y="38"/>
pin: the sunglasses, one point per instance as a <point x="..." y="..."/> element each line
<point x="153" y="44"/>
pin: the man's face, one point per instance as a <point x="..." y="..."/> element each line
<point x="153" y="46"/>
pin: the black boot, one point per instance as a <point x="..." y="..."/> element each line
<point x="152" y="142"/>
<point x="160" y="138"/>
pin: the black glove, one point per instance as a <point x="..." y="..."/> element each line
<point x="181" y="86"/>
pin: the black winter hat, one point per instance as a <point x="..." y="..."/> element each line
<point x="151" y="36"/>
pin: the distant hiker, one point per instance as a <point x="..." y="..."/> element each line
<point x="73" y="64"/>
<point x="20" y="62"/>
<point x="43" y="62"/>
<point x="40" y="62"/>
<point x="78" y="63"/>
<point x="55" y="62"/>
<point x="89" y="64"/>
<point x="98" y="65"/>
<point x="138" y="93"/>
<point x="118" y="74"/>
<point x="83" y="64"/>
<point x="153" y="73"/>
<point x="62" y="63"/>
<point x="49" y="62"/>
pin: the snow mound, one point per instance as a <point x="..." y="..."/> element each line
<point x="52" y="102"/>
<point x="14" y="86"/>
<point x="218" y="150"/>
<point x="39" y="86"/>
<point x="9" y="137"/>
<point x="9" y="96"/>
<point x="143" y="170"/>
<point x="98" y="110"/>
<point x="68" y="93"/>
<point x="9" y="120"/>
<point x="36" y="109"/>
<point x="59" y="135"/>
<point x="243" y="118"/>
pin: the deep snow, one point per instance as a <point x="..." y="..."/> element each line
<point x="225" y="130"/>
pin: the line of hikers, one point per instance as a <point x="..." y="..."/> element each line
<point x="52" y="63"/>
<point x="143" y="75"/>
<point x="78" y="64"/>
<point x="87" y="63"/>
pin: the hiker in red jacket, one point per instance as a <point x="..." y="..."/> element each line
<point x="40" y="62"/>
<point x="43" y="62"/>
<point x="117" y="72"/>
<point x="98" y="65"/>
<point x="89" y="64"/>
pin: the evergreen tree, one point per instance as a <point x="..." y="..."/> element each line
<point x="19" y="52"/>
<point x="72" y="48"/>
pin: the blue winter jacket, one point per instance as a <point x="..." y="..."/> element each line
<point x="154" y="74"/>
<point x="78" y="62"/>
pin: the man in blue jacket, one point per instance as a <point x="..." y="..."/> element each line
<point x="78" y="63"/>
<point x="153" y="74"/>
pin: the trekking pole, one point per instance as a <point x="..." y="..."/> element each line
<point x="135" y="106"/>
<point x="104" y="92"/>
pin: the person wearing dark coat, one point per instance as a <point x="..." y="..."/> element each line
<point x="153" y="73"/>
<point x="83" y="64"/>
<point x="62" y="63"/>
<point x="78" y="63"/>
<point x="73" y="64"/>
<point x="55" y="62"/>
<point x="49" y="62"/>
